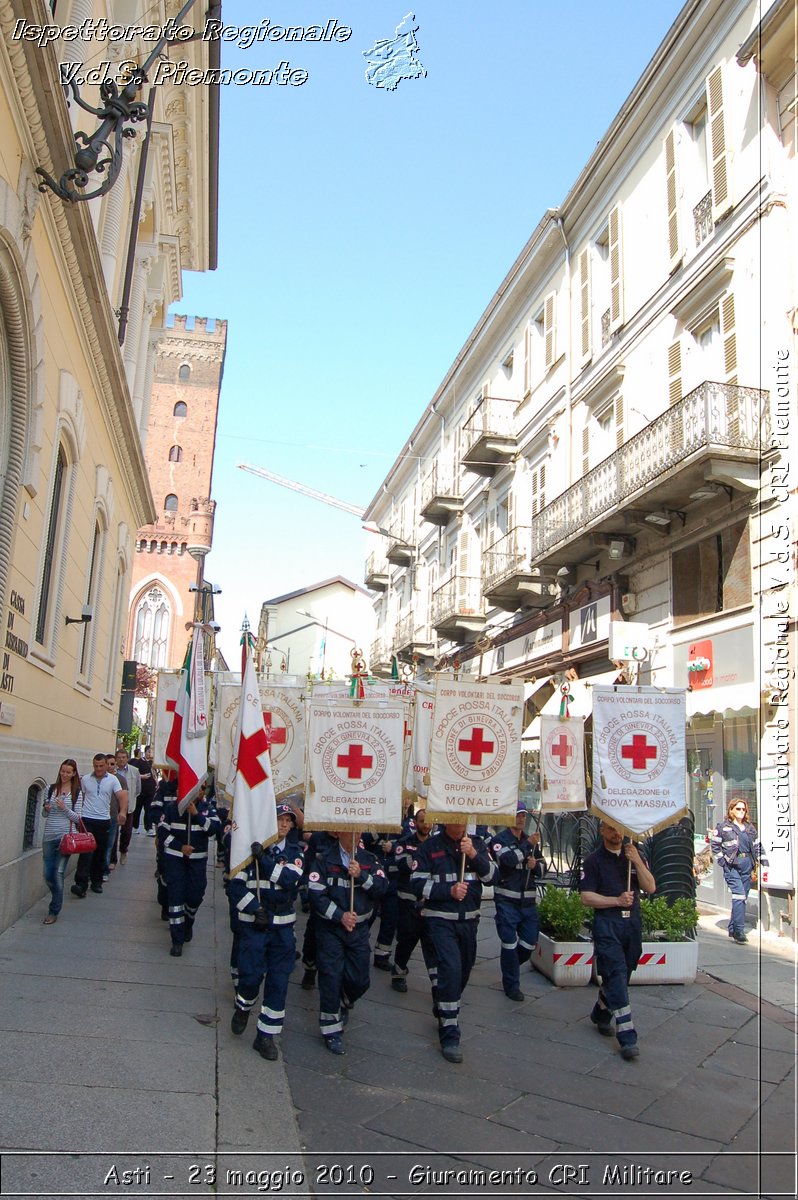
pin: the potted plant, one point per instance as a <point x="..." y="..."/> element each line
<point x="563" y="952"/>
<point x="670" y="946"/>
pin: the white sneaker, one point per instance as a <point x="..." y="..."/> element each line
<point x="123" y="859"/>
<point x="150" y="833"/>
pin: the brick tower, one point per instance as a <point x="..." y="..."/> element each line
<point x="179" y="449"/>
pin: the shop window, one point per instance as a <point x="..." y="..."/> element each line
<point x="740" y="758"/>
<point x="711" y="576"/>
<point x="180" y="409"/>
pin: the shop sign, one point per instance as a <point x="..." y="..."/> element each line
<point x="721" y="661"/>
<point x="589" y="624"/>
<point x="539" y="643"/>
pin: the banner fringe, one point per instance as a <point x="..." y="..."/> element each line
<point x="635" y="834"/>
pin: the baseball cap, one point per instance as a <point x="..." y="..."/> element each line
<point x="285" y="810"/>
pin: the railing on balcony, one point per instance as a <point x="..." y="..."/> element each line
<point x="376" y="568"/>
<point x="508" y="556"/>
<point x="715" y="416"/>
<point x="492" y="417"/>
<point x="379" y="653"/>
<point x="461" y="596"/>
<point x="440" y="481"/>
<point x="702" y="219"/>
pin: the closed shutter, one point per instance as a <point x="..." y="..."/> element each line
<point x="674" y="372"/>
<point x="729" y="337"/>
<point x="584" y="304"/>
<point x="672" y="200"/>
<point x="719" y="155"/>
<point x="616" y="266"/>
<point x="550" y="329"/>
<point x="619" y="420"/>
<point x="511" y="507"/>
<point x="586" y="447"/>
<point x="527" y="359"/>
<point x="462" y="571"/>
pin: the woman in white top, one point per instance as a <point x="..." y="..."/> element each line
<point x="59" y="811"/>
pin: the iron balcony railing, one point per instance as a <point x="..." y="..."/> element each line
<point x="376" y="564"/>
<point x="494" y="416"/>
<point x="379" y="652"/>
<point x="714" y="417"/>
<point x="440" y="481"/>
<point x="460" y="596"/>
<point x="508" y="556"/>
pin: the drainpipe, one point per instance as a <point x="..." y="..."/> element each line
<point x="569" y="358"/>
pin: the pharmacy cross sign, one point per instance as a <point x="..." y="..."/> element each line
<point x="355" y="761"/>
<point x="638" y="752"/>
<point x="477" y="747"/>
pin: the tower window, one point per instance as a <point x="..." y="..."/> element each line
<point x="170" y="503"/>
<point x="184" y="373"/>
<point x="176" y="454"/>
<point x="180" y="409"/>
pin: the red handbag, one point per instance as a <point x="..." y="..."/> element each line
<point x="78" y="841"/>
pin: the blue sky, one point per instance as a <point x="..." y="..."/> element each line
<point x="362" y="233"/>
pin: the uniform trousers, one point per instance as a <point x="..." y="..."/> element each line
<point x="618" y="944"/>
<point x="342" y="960"/>
<point x="738" y="881"/>
<point x="265" y="956"/>
<point x="389" y="911"/>
<point x="454" y="947"/>
<point x="517" y="927"/>
<point x="185" y="879"/>
<point x="409" y="932"/>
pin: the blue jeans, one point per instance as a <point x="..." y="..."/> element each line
<point x="54" y="867"/>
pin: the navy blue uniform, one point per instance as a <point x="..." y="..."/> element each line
<point x="389" y="905"/>
<point x="409" y="922"/>
<point x="185" y="874"/>
<point x="317" y="843"/>
<point x="737" y="851"/>
<point x="516" y="912"/>
<point x="342" y="956"/>
<point x="263" y="895"/>
<point x="450" y="925"/>
<point x="617" y="940"/>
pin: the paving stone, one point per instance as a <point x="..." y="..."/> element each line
<point x="107" y="967"/>
<point x="72" y="993"/>
<point x="711" y="1009"/>
<point x="435" y="1085"/>
<point x="699" y="1104"/>
<point x="759" y="1031"/>
<point x="749" y="1062"/>
<point x="313" y="1092"/>
<point x="430" y="1127"/>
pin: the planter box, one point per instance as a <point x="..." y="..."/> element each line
<point x="566" y="964"/>
<point x="665" y="962"/>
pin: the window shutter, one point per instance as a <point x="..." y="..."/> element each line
<point x="584" y="303"/>
<point x="511" y="508"/>
<point x="550" y="328"/>
<point x="729" y="337"/>
<point x="462" y="554"/>
<point x="674" y="372"/>
<point x="719" y="155"/>
<point x="586" y="448"/>
<point x="672" y="198"/>
<point x="619" y="420"/>
<point x="616" y="288"/>
<point x="527" y="359"/>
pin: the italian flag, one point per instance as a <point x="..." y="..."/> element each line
<point x="187" y="747"/>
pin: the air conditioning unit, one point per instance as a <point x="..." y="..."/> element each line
<point x="629" y="603"/>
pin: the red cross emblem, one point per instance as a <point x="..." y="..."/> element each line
<point x="639" y="752"/>
<point x="276" y="734"/>
<point x="249" y="765"/>
<point x="355" y="761"/>
<point x="171" y="705"/>
<point x="476" y="747"/>
<point x="562" y="751"/>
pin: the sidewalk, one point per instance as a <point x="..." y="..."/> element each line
<point x="112" y="1047"/>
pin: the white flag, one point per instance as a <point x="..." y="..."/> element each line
<point x="639" y="776"/>
<point x="254" y="811"/>
<point x="562" y="764"/>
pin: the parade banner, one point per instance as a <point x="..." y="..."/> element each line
<point x="341" y="690"/>
<point x="187" y="744"/>
<point x="284" y="721"/>
<point x="254" y="812"/>
<point x="417" y="771"/>
<point x="166" y="690"/>
<point x="562" y="764"/>
<point x="354" y="765"/>
<point x="639" y="757"/>
<point x="475" y="763"/>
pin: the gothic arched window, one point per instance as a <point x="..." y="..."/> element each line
<point x="184" y="373"/>
<point x="151" y="629"/>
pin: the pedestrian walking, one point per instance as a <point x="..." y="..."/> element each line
<point x="99" y="789"/>
<point x="60" y="817"/>
<point x="520" y="864"/>
<point x="448" y="874"/>
<point x="737" y="849"/>
<point x="185" y="864"/>
<point x="141" y="814"/>
<point x="612" y="878"/>
<point x="130" y="779"/>
<point x="264" y="896"/>
<point x="343" y="888"/>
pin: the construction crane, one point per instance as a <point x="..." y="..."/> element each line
<point x="303" y="489"/>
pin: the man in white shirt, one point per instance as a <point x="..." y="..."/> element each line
<point x="125" y="770"/>
<point x="94" y="807"/>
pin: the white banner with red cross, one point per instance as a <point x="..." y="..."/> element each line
<point x="562" y="764"/>
<point x="475" y="760"/>
<point x="639" y="776"/>
<point x="166" y="689"/>
<point x="284" y="721"/>
<point x="354" y="765"/>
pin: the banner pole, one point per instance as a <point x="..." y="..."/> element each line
<point x="352" y="881"/>
<point x="462" y="867"/>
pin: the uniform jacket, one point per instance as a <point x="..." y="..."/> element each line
<point x="405" y="850"/>
<point x="272" y="885"/>
<point x="329" y="884"/>
<point x="178" y="831"/>
<point x="437" y="866"/>
<point x="725" y="843"/>
<point x="606" y="873"/>
<point x="516" y="881"/>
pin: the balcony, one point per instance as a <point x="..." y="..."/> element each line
<point x="489" y="435"/>
<point x="509" y="580"/>
<point x="411" y="638"/>
<point x="441" y="495"/>
<point x="399" y="551"/>
<point x="458" y="607"/>
<point x="376" y="575"/>
<point x="713" y="435"/>
<point x="379" y="656"/>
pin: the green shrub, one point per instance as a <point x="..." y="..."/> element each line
<point x="665" y="922"/>
<point x="562" y="914"/>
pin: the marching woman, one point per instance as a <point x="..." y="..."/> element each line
<point x="59" y="811"/>
<point x="737" y="848"/>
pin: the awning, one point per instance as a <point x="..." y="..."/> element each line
<point x="740" y="699"/>
<point x="581" y="704"/>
